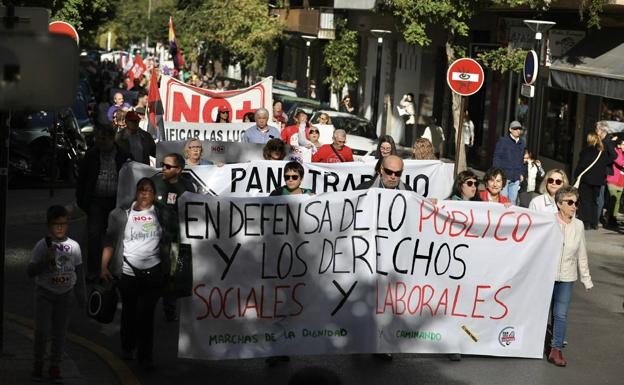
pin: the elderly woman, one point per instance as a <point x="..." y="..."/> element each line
<point x="385" y="147"/>
<point x="313" y="137"/>
<point x="193" y="151"/>
<point x="136" y="252"/>
<point x="573" y="258"/>
<point x="552" y="182"/>
<point x="494" y="180"/>
<point x="465" y="187"/>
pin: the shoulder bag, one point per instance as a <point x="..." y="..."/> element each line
<point x="578" y="179"/>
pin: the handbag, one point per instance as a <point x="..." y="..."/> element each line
<point x="102" y="302"/>
<point x="578" y="179"/>
<point x="181" y="282"/>
<point x="402" y="112"/>
<point x="153" y="276"/>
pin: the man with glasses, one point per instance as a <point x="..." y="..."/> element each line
<point x="389" y="175"/>
<point x="509" y="157"/>
<point x="169" y="187"/>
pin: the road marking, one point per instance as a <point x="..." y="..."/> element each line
<point x="121" y="370"/>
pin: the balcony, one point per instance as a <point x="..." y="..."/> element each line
<point x="315" y="22"/>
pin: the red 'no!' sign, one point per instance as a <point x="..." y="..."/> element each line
<point x="465" y="76"/>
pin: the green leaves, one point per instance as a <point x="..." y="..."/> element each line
<point x="503" y="59"/>
<point x="340" y="57"/>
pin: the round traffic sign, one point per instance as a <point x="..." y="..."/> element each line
<point x="530" y="67"/>
<point x="465" y="76"/>
<point x="63" y="28"/>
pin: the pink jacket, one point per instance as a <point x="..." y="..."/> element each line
<point x="617" y="178"/>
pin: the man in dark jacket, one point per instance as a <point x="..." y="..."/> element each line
<point x="389" y="175"/>
<point x="135" y="141"/>
<point x="509" y="157"/>
<point x="96" y="191"/>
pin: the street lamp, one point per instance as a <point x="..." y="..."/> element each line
<point x="308" y="40"/>
<point x="535" y="103"/>
<point x="379" y="34"/>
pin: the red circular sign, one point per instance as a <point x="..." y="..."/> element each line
<point x="465" y="76"/>
<point x="63" y="28"/>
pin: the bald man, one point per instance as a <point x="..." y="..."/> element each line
<point x="389" y="175"/>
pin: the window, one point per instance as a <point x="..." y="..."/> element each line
<point x="557" y="137"/>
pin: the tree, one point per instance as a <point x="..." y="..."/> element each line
<point x="340" y="57"/>
<point x="231" y="31"/>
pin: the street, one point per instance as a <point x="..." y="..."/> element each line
<point x="595" y="331"/>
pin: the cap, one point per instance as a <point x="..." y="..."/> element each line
<point x="133" y="116"/>
<point x="515" y="124"/>
<point x="140" y="110"/>
<point x="223" y="109"/>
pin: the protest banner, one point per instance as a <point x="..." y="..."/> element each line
<point x="216" y="152"/>
<point x="375" y="271"/>
<point x="430" y="178"/>
<point x="216" y="132"/>
<point x="185" y="103"/>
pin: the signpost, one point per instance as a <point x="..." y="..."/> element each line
<point x="64" y="28"/>
<point x="465" y="77"/>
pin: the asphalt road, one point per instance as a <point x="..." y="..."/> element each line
<point x="594" y="353"/>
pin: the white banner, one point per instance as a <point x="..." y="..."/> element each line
<point x="430" y="178"/>
<point x="364" y="272"/>
<point x="185" y="103"/>
<point x="213" y="132"/>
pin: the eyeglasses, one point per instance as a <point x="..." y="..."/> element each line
<point x="169" y="166"/>
<point x="392" y="172"/>
<point x="558" y="182"/>
<point x="471" y="183"/>
<point x="313" y="131"/>
<point x="291" y="177"/>
<point x="224" y="112"/>
<point x="195" y="147"/>
<point x="571" y="202"/>
<point x="516" y="128"/>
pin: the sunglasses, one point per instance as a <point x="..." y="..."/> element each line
<point x="291" y="177"/>
<point x="392" y="172"/>
<point x="571" y="202"/>
<point x="471" y="183"/>
<point x="224" y="112"/>
<point x="558" y="182"/>
<point x="168" y="166"/>
<point x="314" y="131"/>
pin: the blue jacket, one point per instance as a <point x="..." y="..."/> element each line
<point x="508" y="156"/>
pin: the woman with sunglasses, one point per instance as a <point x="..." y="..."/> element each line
<point x="572" y="261"/>
<point x="324" y="118"/>
<point x="293" y="175"/>
<point x="494" y="180"/>
<point x="552" y="182"/>
<point x="313" y="137"/>
<point x="465" y="187"/>
<point x="223" y="115"/>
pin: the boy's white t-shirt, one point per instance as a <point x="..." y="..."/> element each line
<point x="61" y="277"/>
<point x="141" y="240"/>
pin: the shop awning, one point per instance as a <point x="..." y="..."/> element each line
<point x="594" y="66"/>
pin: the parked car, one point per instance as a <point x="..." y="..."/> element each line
<point x="361" y="135"/>
<point x="32" y="150"/>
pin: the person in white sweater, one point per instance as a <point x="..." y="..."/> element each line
<point x="572" y="261"/>
<point x="551" y="183"/>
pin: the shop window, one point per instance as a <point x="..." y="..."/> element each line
<point x="557" y="137"/>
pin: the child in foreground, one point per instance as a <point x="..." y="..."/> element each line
<point x="56" y="265"/>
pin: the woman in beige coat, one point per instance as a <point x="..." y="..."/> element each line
<point x="572" y="261"/>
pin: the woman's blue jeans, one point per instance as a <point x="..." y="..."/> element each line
<point x="562" y="294"/>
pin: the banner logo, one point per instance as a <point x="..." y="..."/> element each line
<point x="507" y="336"/>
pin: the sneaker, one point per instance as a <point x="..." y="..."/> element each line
<point x="55" y="375"/>
<point x="37" y="373"/>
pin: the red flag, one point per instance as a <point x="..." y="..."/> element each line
<point x="137" y="70"/>
<point x="156" y="126"/>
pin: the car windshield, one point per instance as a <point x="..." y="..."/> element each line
<point x="354" y="126"/>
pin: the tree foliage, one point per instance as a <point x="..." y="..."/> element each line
<point x="340" y="57"/>
<point x="231" y="31"/>
<point x="503" y="59"/>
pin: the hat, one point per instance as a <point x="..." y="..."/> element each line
<point x="224" y="109"/>
<point x="133" y="116"/>
<point x="140" y="110"/>
<point x="515" y="124"/>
